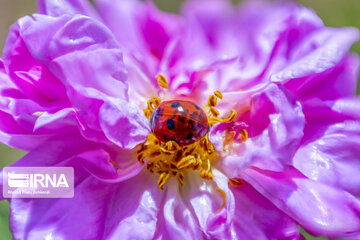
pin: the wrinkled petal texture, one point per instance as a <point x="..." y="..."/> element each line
<point x="76" y="64"/>
<point x="319" y="208"/>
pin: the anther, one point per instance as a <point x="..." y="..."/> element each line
<point x="218" y="94"/>
<point x="231" y="117"/>
<point x="212" y="101"/>
<point x="162" y="81"/>
<point x="186" y="161"/>
<point x="214" y="111"/>
<point x="244" y="135"/>
<point x="156" y="101"/>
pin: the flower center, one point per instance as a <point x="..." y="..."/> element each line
<point x="179" y="139"/>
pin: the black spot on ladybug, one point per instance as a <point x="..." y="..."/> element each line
<point x="197" y="107"/>
<point x="181" y="119"/>
<point x="191" y="124"/>
<point x="189" y="136"/>
<point x="175" y="104"/>
<point x="170" y="124"/>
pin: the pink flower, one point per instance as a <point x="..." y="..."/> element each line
<point x="76" y="78"/>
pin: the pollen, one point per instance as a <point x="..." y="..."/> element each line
<point x="181" y="143"/>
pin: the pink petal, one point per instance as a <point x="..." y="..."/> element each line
<point x="58" y="8"/>
<point x="133" y="208"/>
<point x="319" y="208"/>
<point x="176" y="220"/>
<point x="328" y="45"/>
<point x="206" y="203"/>
<point x="79" y="51"/>
<point x="336" y="82"/>
<point x="258" y="218"/>
<point x="32" y="78"/>
<point x="330" y="153"/>
<point x="62" y="218"/>
<point x="276" y="124"/>
<point x="98" y="59"/>
<point x="123" y="124"/>
<point x="98" y="163"/>
<point x="112" y="210"/>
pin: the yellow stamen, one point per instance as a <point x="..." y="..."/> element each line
<point x="180" y="178"/>
<point x="231" y="117"/>
<point x="162" y="81"/>
<point x="163" y="179"/>
<point x="218" y="94"/>
<point x="168" y="159"/>
<point x="244" y="135"/>
<point x="205" y="174"/>
<point x="223" y="194"/>
<point x="172" y="145"/>
<point x="215" y="120"/>
<point x="186" y="161"/>
<point x="208" y="165"/>
<point x="152" y="104"/>
<point x="171" y="159"/>
<point x="214" y="111"/>
<point x="212" y="101"/>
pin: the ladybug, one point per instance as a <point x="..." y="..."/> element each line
<point x="181" y="121"/>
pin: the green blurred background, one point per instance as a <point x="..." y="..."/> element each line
<point x="335" y="13"/>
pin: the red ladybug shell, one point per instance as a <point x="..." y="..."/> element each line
<point x="181" y="121"/>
